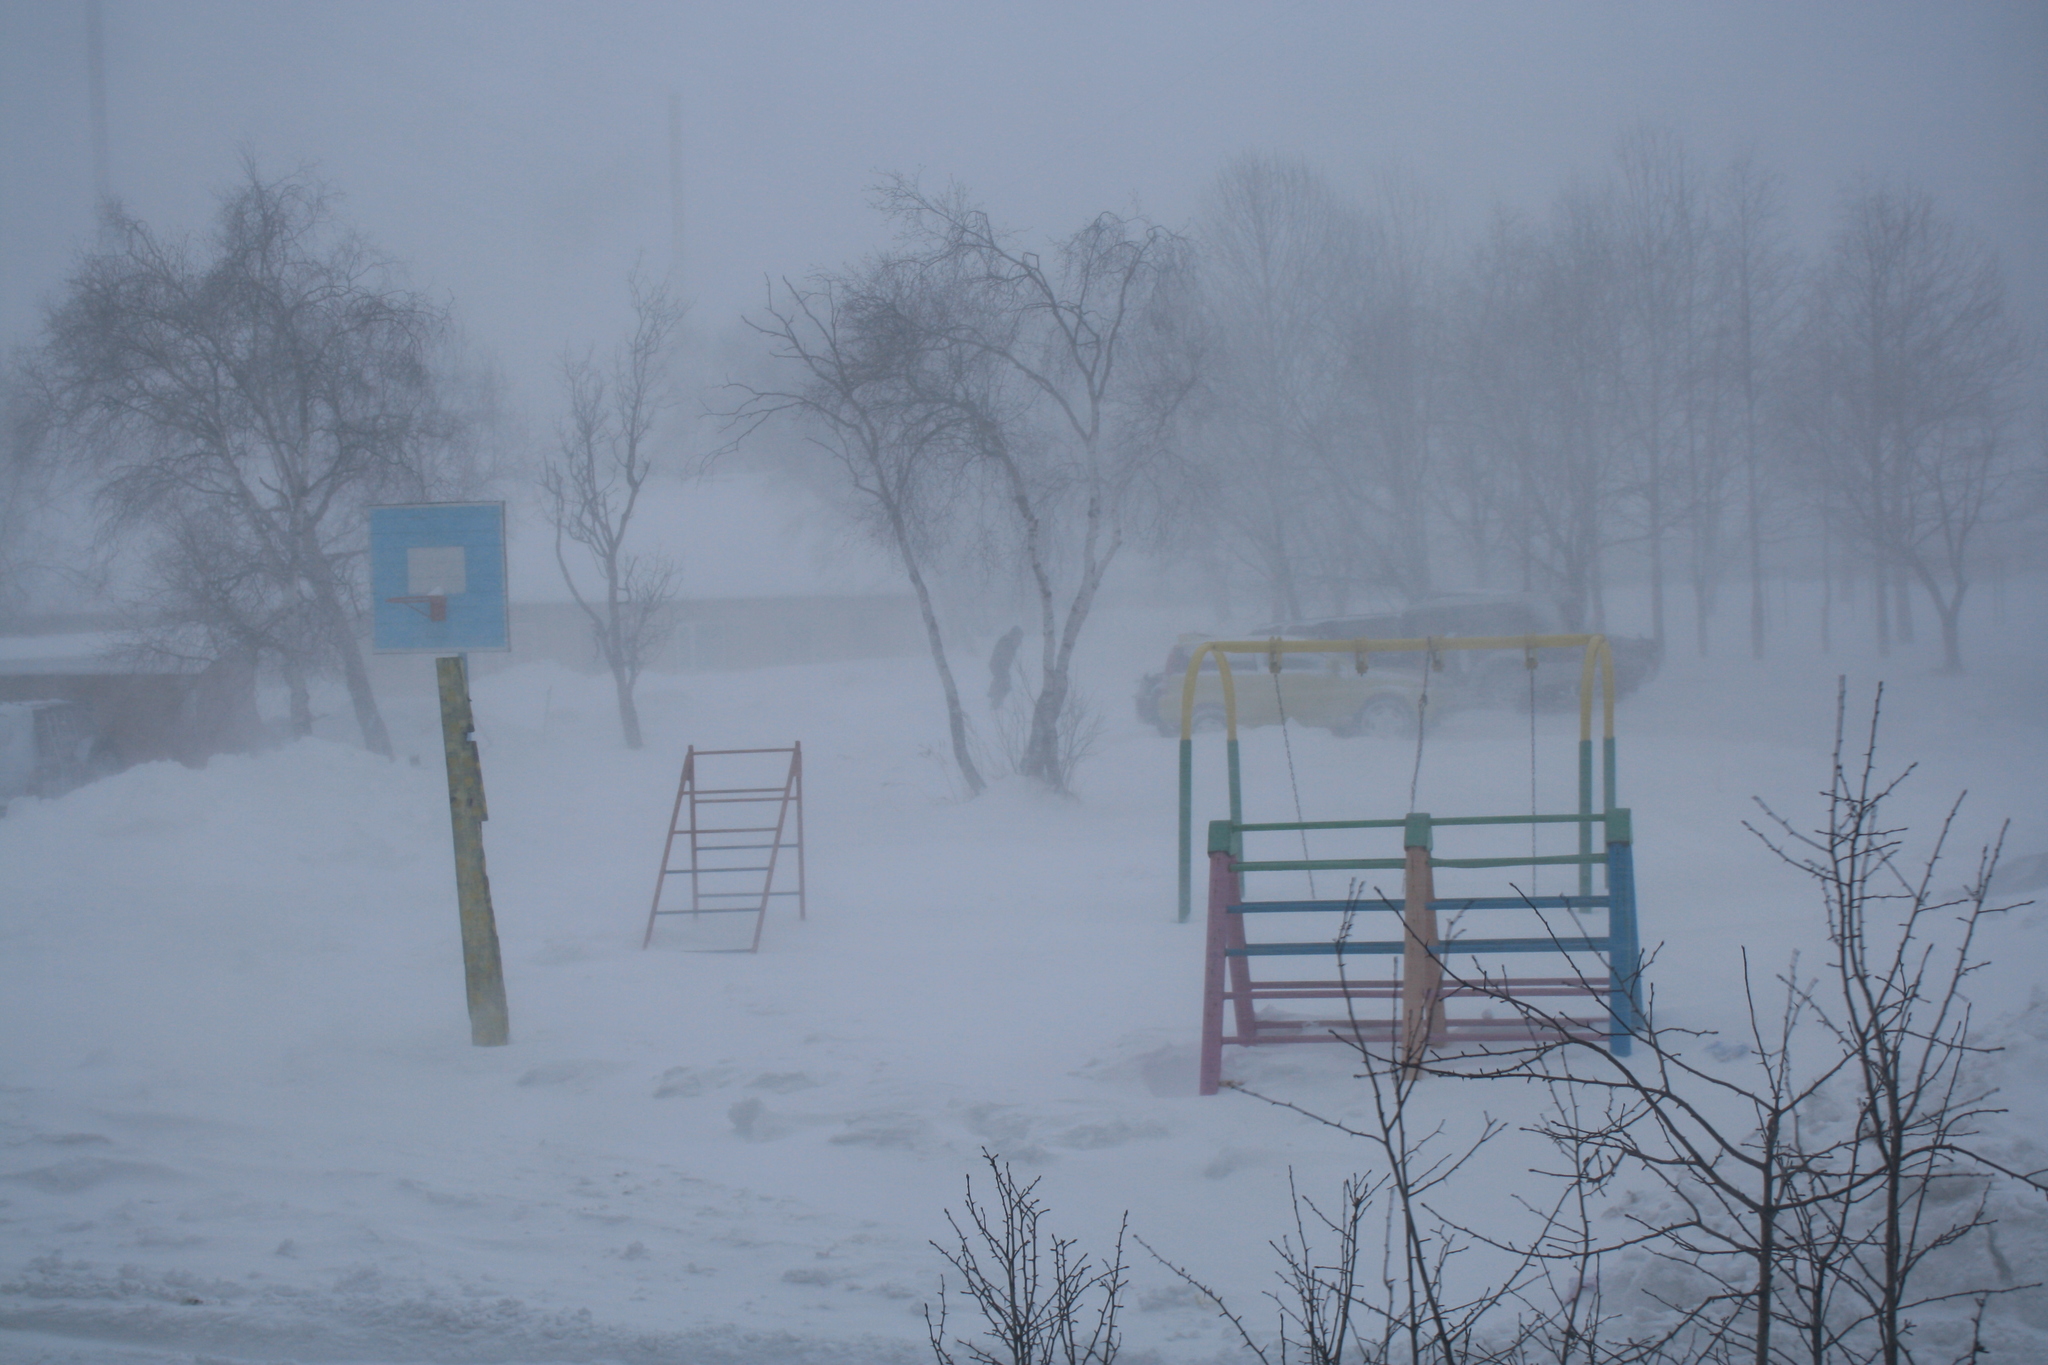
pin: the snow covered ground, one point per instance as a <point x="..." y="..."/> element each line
<point x="240" y="1119"/>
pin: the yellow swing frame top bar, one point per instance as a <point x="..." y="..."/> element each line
<point x="1597" y="658"/>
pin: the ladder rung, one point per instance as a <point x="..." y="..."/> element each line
<point x="723" y="829"/>
<point x="735" y="848"/>
<point x="711" y="910"/>
<point x="741" y="800"/>
<point x="701" y="792"/>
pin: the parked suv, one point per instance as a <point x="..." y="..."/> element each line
<point x="1501" y="677"/>
<point x="1330" y="691"/>
<point x="1326" y="690"/>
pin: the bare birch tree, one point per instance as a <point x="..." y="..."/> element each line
<point x="851" y="345"/>
<point x="592" y="483"/>
<point x="1081" y="335"/>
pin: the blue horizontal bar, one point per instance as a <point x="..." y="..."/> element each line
<point x="1523" y="903"/>
<point x="1395" y="904"/>
<point x="1314" y="949"/>
<point x="1305" y="907"/>
<point x="1524" y="945"/>
<point x="1456" y="945"/>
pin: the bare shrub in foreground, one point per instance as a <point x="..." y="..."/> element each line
<point x="1042" y="1301"/>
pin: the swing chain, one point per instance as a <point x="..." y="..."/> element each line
<point x="1280" y="704"/>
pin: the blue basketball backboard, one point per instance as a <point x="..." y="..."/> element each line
<point x="437" y="578"/>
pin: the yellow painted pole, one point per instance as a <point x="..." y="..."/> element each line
<point x="482" y="969"/>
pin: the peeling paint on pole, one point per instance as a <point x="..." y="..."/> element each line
<point x="483" y="971"/>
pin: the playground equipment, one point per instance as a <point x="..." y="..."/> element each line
<point x="1421" y="988"/>
<point x="722" y="875"/>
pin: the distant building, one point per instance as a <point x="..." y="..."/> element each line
<point x="75" y="704"/>
<point x="719" y="633"/>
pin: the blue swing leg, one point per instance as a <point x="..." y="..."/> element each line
<point x="1624" y="951"/>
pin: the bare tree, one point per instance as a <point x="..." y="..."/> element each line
<point x="592" y="485"/>
<point x="1073" y="440"/>
<point x="1541" y="446"/>
<point x="1396" y="382"/>
<point x="1806" y="1191"/>
<point x="271" y="387"/>
<point x="1752" y="291"/>
<point x="1907" y="406"/>
<point x="1042" y="1300"/>
<point x="1280" y="286"/>
<point x="851" y="345"/>
<point x="1663" y="235"/>
<point x="1900" y="1016"/>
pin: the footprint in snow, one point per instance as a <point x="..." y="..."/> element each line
<point x="783" y="1082"/>
<point x="882" y="1130"/>
<point x="752" y="1121"/>
<point x="564" y="1073"/>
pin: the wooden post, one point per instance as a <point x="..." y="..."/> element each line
<point x="483" y="971"/>
<point x="1225" y="890"/>
<point x="1422" y="1009"/>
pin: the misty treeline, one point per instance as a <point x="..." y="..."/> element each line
<point x="1818" y="1185"/>
<point x="1302" y="401"/>
<point x="225" y="409"/>
<point x="1646" y="384"/>
<point x="1327" y="406"/>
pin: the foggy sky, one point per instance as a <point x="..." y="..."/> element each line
<point x="515" y="155"/>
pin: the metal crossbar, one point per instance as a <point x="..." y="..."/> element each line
<point x="686" y="827"/>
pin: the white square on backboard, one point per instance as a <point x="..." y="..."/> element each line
<point x="436" y="570"/>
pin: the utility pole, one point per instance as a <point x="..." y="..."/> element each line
<point x="96" y="84"/>
<point x="675" y="191"/>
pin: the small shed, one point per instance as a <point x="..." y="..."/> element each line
<point x="134" y="709"/>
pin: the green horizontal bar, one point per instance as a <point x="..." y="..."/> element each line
<point x="1326" y="865"/>
<point x="1573" y="819"/>
<point x="1330" y="824"/>
<point x="1281" y="826"/>
<point x="1547" y="860"/>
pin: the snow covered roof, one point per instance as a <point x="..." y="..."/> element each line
<point x="84" y="652"/>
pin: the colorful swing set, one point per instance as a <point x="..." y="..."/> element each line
<point x="1418" y="1015"/>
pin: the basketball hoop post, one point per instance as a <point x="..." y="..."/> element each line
<point x="437" y="586"/>
<point x="483" y="970"/>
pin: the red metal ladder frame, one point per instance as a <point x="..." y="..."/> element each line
<point x="788" y="799"/>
